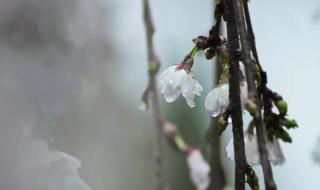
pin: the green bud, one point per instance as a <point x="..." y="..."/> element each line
<point x="282" y="106"/>
<point x="209" y="53"/>
<point x="252" y="108"/>
<point x="283" y="135"/>
<point x="180" y="144"/>
<point x="258" y="78"/>
<point x="252" y="178"/>
<point x="290" y="123"/>
<point x="153" y="68"/>
<point x="222" y="125"/>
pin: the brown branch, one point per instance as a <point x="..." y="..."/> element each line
<point x="250" y="68"/>
<point x="234" y="96"/>
<point x="151" y="95"/>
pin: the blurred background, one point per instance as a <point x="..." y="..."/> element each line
<point x="72" y="73"/>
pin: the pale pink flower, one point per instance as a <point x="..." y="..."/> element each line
<point x="199" y="169"/>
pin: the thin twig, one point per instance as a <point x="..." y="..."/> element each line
<point x="234" y="95"/>
<point x="152" y="96"/>
<point x="217" y="181"/>
<point x="249" y="66"/>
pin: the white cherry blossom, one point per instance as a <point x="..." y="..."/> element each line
<point x="275" y="153"/>
<point x="218" y="99"/>
<point x="175" y="81"/>
<point x="199" y="169"/>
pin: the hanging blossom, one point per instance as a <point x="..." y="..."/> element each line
<point x="275" y="153"/>
<point x="218" y="99"/>
<point x="199" y="169"/>
<point x="177" y="80"/>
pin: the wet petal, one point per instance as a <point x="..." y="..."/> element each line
<point x="173" y="86"/>
<point x="187" y="89"/>
<point x="275" y="152"/>
<point x="211" y="103"/>
<point x="223" y="97"/>
<point x="230" y="150"/>
<point x="164" y="77"/>
<point x="217" y="100"/>
<point x="197" y="89"/>
<point x="251" y="148"/>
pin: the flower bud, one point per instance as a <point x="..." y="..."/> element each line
<point x="209" y="53"/>
<point x="199" y="169"/>
<point x="290" y="123"/>
<point x="153" y="68"/>
<point x="283" y="135"/>
<point x="169" y="129"/>
<point x="282" y="106"/>
<point x="222" y="125"/>
<point x="252" y="108"/>
<point x="252" y="178"/>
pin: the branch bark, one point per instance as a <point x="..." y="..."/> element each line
<point x="151" y="95"/>
<point x="234" y="96"/>
<point x="250" y="68"/>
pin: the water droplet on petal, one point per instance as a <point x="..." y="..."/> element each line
<point x="212" y="104"/>
<point x="143" y="106"/>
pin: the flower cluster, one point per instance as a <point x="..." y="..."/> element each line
<point x="178" y="79"/>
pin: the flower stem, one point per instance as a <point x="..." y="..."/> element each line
<point x="194" y="50"/>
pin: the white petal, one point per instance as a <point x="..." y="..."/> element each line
<point x="275" y="152"/>
<point x="187" y="89"/>
<point x="223" y="97"/>
<point x="190" y="101"/>
<point x="230" y="150"/>
<point x="197" y="88"/>
<point x="199" y="169"/>
<point x="251" y="148"/>
<point x="217" y="100"/>
<point x="164" y="77"/>
<point x="211" y="103"/>
<point x="173" y="86"/>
